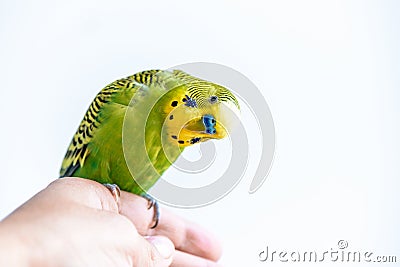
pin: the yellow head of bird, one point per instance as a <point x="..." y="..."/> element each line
<point x="201" y="111"/>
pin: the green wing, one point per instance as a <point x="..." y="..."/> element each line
<point x="119" y="92"/>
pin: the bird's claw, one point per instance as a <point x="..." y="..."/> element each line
<point x="116" y="193"/>
<point x="152" y="203"/>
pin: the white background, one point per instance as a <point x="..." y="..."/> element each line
<point x="328" y="69"/>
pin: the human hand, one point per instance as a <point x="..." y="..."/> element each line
<point x="75" y="222"/>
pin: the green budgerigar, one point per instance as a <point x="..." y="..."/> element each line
<point x="136" y="127"/>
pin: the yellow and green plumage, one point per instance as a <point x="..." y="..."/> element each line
<point x="136" y="127"/>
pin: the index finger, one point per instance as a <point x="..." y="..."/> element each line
<point x="187" y="236"/>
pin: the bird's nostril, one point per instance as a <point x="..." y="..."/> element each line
<point x="211" y="131"/>
<point x="208" y="120"/>
<point x="209" y="123"/>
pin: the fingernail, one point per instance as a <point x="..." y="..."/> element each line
<point x="163" y="245"/>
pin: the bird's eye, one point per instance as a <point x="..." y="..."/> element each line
<point x="213" y="99"/>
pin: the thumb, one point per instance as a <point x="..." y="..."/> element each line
<point x="159" y="251"/>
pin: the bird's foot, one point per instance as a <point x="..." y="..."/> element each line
<point x="116" y="193"/>
<point x="152" y="203"/>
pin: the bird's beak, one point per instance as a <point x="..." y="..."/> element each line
<point x="205" y="128"/>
